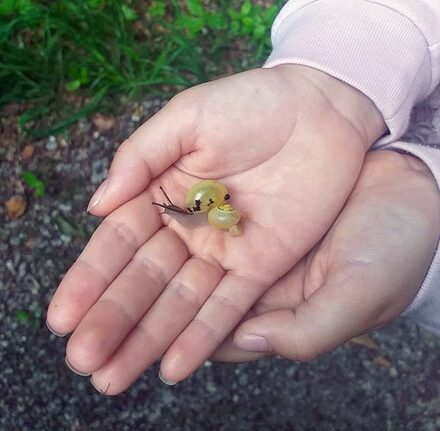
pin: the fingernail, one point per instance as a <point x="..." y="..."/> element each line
<point x="253" y="343"/>
<point x="93" y="384"/>
<point x="97" y="389"/>
<point x="58" y="334"/>
<point x="80" y="373"/>
<point x="96" y="198"/>
<point x="166" y="381"/>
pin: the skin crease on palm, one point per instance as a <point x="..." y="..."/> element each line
<point x="288" y="142"/>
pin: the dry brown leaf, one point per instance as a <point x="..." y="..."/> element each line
<point x="9" y="131"/>
<point x="15" y="207"/>
<point x="366" y="341"/>
<point x="103" y="122"/>
<point x="382" y="361"/>
<point x="28" y="151"/>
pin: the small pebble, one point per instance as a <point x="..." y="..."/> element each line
<point x="393" y="372"/>
<point x="210" y="387"/>
<point x="51" y="143"/>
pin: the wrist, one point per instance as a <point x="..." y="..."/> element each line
<point x="387" y="50"/>
<point x="357" y="108"/>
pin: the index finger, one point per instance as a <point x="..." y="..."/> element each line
<point x="109" y="250"/>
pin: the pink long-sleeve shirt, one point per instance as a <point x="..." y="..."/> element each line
<point x="389" y="50"/>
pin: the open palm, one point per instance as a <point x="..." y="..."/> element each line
<point x="142" y="288"/>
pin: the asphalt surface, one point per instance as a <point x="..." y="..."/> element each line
<point x="394" y="386"/>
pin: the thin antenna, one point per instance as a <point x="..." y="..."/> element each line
<point x="166" y="196"/>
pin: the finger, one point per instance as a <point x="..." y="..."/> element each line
<point x="166" y="319"/>
<point x="324" y="321"/>
<point x="230" y="301"/>
<point x="229" y="352"/>
<point x="126" y="300"/>
<point x="287" y="292"/>
<point x="151" y="149"/>
<point x="286" y="295"/>
<point x="111" y="247"/>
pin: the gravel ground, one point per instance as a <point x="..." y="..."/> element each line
<point x="394" y="386"/>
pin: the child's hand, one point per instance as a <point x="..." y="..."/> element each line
<point x="362" y="275"/>
<point x="288" y="142"/>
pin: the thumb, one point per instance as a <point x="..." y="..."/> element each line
<point x="313" y="328"/>
<point x="149" y="151"/>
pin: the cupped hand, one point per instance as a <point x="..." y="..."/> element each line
<point x="360" y="277"/>
<point x="288" y="143"/>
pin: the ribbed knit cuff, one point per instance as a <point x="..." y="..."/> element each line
<point x="370" y="46"/>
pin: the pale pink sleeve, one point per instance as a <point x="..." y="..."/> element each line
<point x="389" y="50"/>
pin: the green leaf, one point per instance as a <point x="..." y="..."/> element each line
<point x="158" y="8"/>
<point x="195" y="7"/>
<point x="260" y="31"/>
<point x="192" y="24"/>
<point x="246" y="8"/>
<point x="269" y="14"/>
<point x="216" y="21"/>
<point x="73" y="85"/>
<point x="69" y="228"/>
<point x="235" y="27"/>
<point x="11" y="6"/>
<point x="84" y="75"/>
<point x="64" y="226"/>
<point x="22" y="316"/>
<point x="247" y="22"/>
<point x="129" y="13"/>
<point x="34" y="183"/>
<point x="257" y="20"/>
<point x="28" y="318"/>
<point x="234" y="14"/>
<point x="94" y="4"/>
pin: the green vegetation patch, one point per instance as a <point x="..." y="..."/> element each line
<point x="34" y="183"/>
<point x="65" y="59"/>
